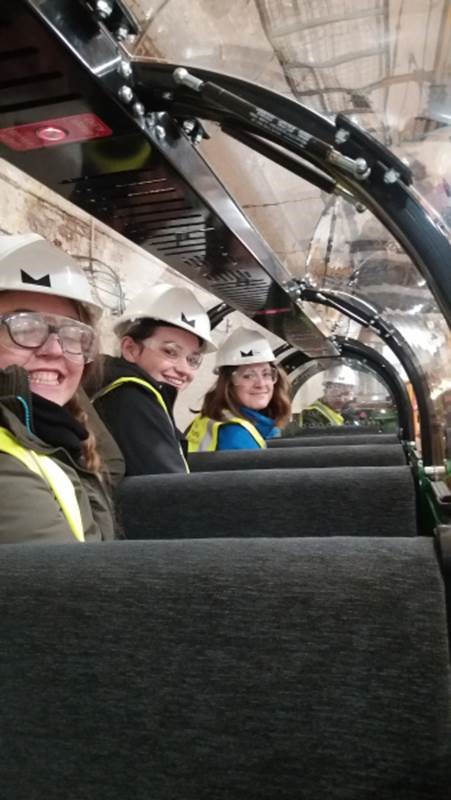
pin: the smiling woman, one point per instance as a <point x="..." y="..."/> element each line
<point x="47" y="340"/>
<point x="164" y="333"/>
<point x="50" y="470"/>
<point x="249" y="402"/>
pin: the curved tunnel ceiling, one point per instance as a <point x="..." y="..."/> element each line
<point x="387" y="65"/>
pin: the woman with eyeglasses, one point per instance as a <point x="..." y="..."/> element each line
<point x="163" y="334"/>
<point x="249" y="402"/>
<point x="51" y="474"/>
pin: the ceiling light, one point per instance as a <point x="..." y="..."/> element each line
<point x="51" y="134"/>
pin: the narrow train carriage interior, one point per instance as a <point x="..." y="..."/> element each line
<point x="275" y="624"/>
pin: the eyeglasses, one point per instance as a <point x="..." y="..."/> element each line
<point x="267" y="375"/>
<point x="31" y="330"/>
<point x="172" y="352"/>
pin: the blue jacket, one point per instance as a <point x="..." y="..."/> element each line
<point x="235" y="437"/>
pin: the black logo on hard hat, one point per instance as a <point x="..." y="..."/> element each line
<point x="246" y="355"/>
<point x="26" y="278"/>
<point x="191" y="322"/>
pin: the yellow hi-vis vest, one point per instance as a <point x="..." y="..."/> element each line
<point x="52" y="474"/>
<point x="141" y="382"/>
<point x="203" y="433"/>
<point x="332" y="416"/>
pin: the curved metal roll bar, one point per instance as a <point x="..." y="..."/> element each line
<point x="351" y="348"/>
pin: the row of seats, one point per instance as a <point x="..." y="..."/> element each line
<point x="225" y="669"/>
<point x="283" y="635"/>
<point x="351" y="501"/>
<point x="334" y="439"/>
<point x="305" y="456"/>
<point x="339" y="430"/>
<point x="361" y="490"/>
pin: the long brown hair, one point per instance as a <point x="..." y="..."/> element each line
<point x="91" y="458"/>
<point x="222" y="398"/>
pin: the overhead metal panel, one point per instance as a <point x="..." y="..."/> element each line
<point x="146" y="181"/>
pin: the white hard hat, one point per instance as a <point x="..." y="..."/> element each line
<point x="244" y="346"/>
<point x="343" y="375"/>
<point x="171" y="304"/>
<point x="29" y="263"/>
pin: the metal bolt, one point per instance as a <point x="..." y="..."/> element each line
<point x="138" y="109"/>
<point x="189" y="125"/>
<point x="293" y="288"/>
<point x="391" y="176"/>
<point x="361" y="166"/>
<point x="125" y="94"/>
<point x="104" y="8"/>
<point x="122" y="33"/>
<point x="435" y="471"/>
<point x="342" y="136"/>
<point x="167" y="96"/>
<point x="126" y="69"/>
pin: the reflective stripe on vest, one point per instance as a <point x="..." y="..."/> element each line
<point x="203" y="433"/>
<point x="332" y="416"/>
<point x="52" y="474"/>
<point x="146" y="385"/>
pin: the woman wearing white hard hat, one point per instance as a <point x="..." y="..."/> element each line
<point x="250" y="401"/>
<point x="164" y="333"/>
<point x="50" y="470"/>
<point x="338" y="393"/>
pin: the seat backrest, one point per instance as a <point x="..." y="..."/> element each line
<point x="350" y="501"/>
<point x="251" y="670"/>
<point x="365" y="455"/>
<point x="329" y="440"/>
<point x="337" y="430"/>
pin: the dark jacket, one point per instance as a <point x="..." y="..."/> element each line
<point x="30" y="512"/>
<point x="145" y="433"/>
<point x="110" y="453"/>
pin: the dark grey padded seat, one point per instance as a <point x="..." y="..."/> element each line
<point x="350" y="501"/>
<point x="316" y="441"/>
<point x="365" y="455"/>
<point x="263" y="669"/>
<point x="337" y="430"/>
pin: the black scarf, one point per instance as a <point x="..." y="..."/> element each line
<point x="56" y="426"/>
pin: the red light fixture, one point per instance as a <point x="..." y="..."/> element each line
<point x="51" y="132"/>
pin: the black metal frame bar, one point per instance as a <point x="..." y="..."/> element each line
<point x="218" y="313"/>
<point x="366" y="315"/>
<point x="386" y="191"/>
<point x="353" y="349"/>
